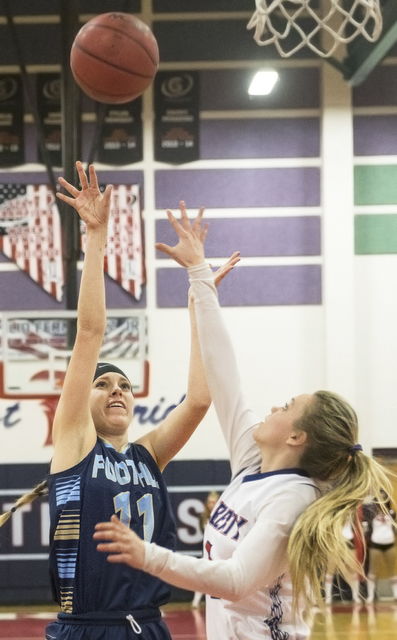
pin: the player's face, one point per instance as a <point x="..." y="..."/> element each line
<point x="112" y="404"/>
<point x="278" y="426"/>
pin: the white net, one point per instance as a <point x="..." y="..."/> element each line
<point x="280" y="22"/>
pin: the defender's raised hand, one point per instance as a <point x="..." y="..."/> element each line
<point x="226" y="268"/>
<point x="221" y="272"/>
<point x="189" y="250"/>
<point x="92" y="206"/>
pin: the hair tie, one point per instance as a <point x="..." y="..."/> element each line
<point x="355" y="448"/>
<point x="13" y="509"/>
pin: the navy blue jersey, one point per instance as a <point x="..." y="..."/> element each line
<point x="106" y="482"/>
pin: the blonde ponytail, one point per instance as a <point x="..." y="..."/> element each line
<point x="316" y="541"/>
<point x="37" y="492"/>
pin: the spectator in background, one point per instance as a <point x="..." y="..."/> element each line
<point x="354" y="583"/>
<point x="381" y="542"/>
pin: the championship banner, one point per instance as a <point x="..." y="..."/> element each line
<point x="121" y="136"/>
<point x="177" y="117"/>
<point x="49" y="108"/>
<point x="30" y="233"/>
<point x="124" y="258"/>
<point x="12" y="151"/>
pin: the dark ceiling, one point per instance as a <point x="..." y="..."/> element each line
<point x="203" y="30"/>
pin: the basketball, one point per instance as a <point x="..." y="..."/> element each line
<point x="114" y="58"/>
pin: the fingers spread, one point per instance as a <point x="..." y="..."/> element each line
<point x="105" y="534"/>
<point x="118" y="558"/>
<point x="82" y="175"/>
<point x="107" y="193"/>
<point x="69" y="187"/>
<point x="93" y="177"/>
<point x="70" y="201"/>
<point x="203" y="233"/>
<point x="160" y="246"/>
<point x="109" y="547"/>
<point x="185" y="222"/>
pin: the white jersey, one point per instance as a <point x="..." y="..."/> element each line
<point x="244" y="569"/>
<point x="348" y="532"/>
<point x="382" y="530"/>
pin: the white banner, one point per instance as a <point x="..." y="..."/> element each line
<point x="31" y="233"/>
<point x="124" y="261"/>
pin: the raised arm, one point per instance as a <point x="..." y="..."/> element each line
<point x="235" y="417"/>
<point x="74" y="433"/>
<point x="165" y="441"/>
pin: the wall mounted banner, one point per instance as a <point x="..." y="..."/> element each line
<point x="12" y="151"/>
<point x="121" y="136"/>
<point x="49" y="107"/>
<point x="30" y="233"/>
<point x="124" y="259"/>
<point x="177" y="117"/>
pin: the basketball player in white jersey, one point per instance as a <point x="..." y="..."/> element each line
<point x="254" y="582"/>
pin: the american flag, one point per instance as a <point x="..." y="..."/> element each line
<point x="30" y="233"/>
<point x="124" y="261"/>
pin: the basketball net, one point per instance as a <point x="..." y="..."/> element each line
<point x="275" y="20"/>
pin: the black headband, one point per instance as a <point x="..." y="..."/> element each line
<point x="106" y="367"/>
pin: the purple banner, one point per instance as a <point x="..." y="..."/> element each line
<point x="18" y="292"/>
<point x="260" y="138"/>
<point x="282" y="236"/>
<point x="248" y="286"/>
<point x="375" y="135"/>
<point x="221" y="188"/>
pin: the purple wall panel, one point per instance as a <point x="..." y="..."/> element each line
<point x="375" y="135"/>
<point x="228" y="89"/>
<point x="38" y="177"/>
<point x="18" y="292"/>
<point x="260" y="138"/>
<point x="380" y="88"/>
<point x="282" y="236"/>
<point x="248" y="286"/>
<point x="221" y="188"/>
<point x="118" y="298"/>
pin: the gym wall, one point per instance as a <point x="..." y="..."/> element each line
<point x="303" y="183"/>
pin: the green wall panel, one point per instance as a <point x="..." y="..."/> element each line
<point x="375" y="234"/>
<point x="375" y="184"/>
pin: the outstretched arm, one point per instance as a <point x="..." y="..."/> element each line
<point x="235" y="417"/>
<point x="74" y="433"/>
<point x="165" y="441"/>
<point x="233" y="579"/>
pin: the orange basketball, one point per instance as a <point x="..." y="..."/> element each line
<point x="114" y="57"/>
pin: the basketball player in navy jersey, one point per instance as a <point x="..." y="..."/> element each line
<point x="272" y="533"/>
<point x="95" y="472"/>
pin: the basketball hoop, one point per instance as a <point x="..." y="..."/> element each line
<point x="275" y="20"/>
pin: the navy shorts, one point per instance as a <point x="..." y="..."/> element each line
<point x="105" y="626"/>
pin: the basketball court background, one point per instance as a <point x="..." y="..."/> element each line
<point x="303" y="182"/>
